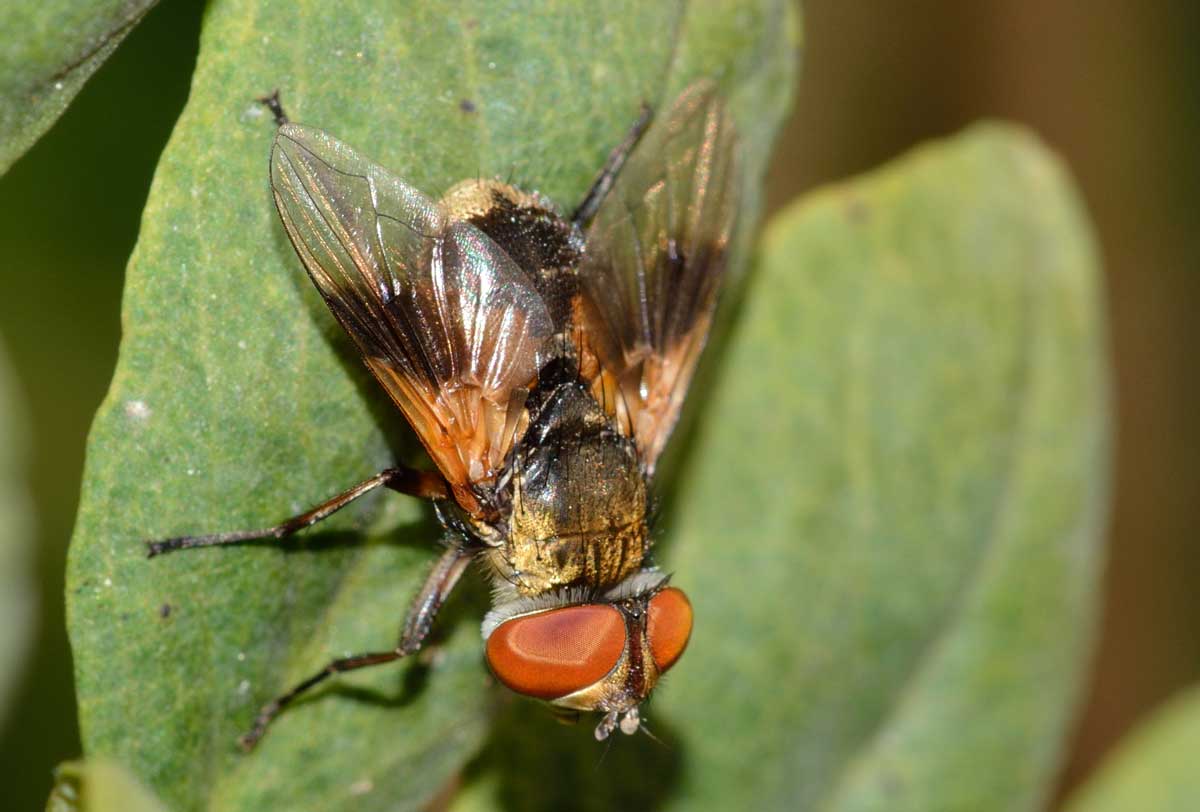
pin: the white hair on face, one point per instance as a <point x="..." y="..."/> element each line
<point x="640" y="583"/>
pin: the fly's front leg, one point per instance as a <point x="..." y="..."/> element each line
<point x="274" y="104"/>
<point x="612" y="167"/>
<point x="422" y="484"/>
<point x="438" y="586"/>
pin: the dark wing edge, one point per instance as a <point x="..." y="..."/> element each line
<point x="445" y="320"/>
<point x="656" y="252"/>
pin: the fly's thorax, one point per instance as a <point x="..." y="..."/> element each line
<point x="524" y="224"/>
<point x="547" y="247"/>
<point x="473" y="198"/>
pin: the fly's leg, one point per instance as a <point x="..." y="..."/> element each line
<point x="422" y="484"/>
<point x="445" y="574"/>
<point x="438" y="585"/>
<point x="612" y="167"/>
<point x="273" y="104"/>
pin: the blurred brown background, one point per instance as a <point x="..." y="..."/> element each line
<point x="1111" y="84"/>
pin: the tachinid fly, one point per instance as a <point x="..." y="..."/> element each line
<point x="542" y="361"/>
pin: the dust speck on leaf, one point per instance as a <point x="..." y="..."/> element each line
<point x="137" y="409"/>
<point x="857" y="211"/>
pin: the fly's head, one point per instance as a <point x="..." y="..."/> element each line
<point x="604" y="655"/>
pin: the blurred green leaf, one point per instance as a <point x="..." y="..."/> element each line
<point x="49" y="50"/>
<point x="890" y="522"/>
<point x="99" y="785"/>
<point x="236" y="401"/>
<point x="16" y="540"/>
<point x="1153" y="768"/>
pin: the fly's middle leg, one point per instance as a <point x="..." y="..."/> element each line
<point x="421" y="614"/>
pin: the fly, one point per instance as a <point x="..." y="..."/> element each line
<point x="542" y="360"/>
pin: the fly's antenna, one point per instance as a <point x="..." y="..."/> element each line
<point x="604" y="753"/>
<point x="273" y="104"/>
<point x="642" y="727"/>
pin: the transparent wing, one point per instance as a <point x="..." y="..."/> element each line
<point x="656" y="252"/>
<point x="445" y="320"/>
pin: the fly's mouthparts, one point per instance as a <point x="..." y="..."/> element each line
<point x="628" y="724"/>
<point x="607" y="725"/>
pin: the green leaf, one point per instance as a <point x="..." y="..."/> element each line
<point x="17" y="602"/>
<point x="236" y="400"/>
<point x="1153" y="768"/>
<point x="890" y="520"/>
<point x="51" y="48"/>
<point x="99" y="785"/>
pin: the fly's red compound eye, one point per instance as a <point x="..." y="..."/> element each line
<point x="668" y="626"/>
<point x="555" y="653"/>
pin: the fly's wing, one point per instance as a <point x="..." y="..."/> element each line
<point x="656" y="252"/>
<point x="444" y="319"/>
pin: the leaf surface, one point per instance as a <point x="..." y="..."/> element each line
<point x="100" y="785"/>
<point x="50" y="49"/>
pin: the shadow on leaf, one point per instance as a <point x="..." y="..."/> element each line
<point x="541" y="765"/>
